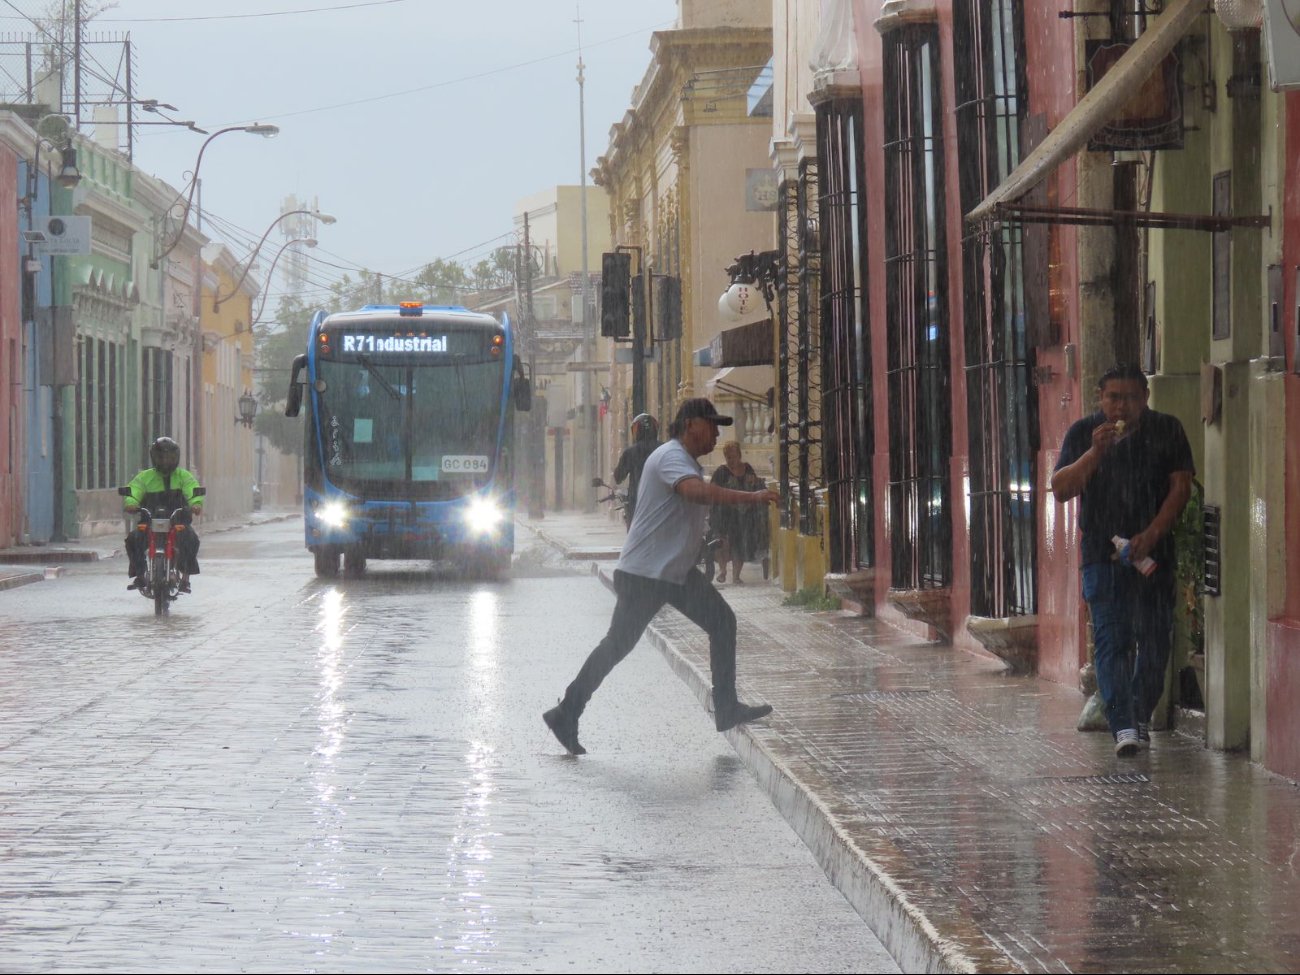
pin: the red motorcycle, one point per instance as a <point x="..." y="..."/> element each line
<point x="162" y="577"/>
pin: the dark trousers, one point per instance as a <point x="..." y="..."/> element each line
<point x="639" y="599"/>
<point x="1132" y="631"/>
<point x="187" y="550"/>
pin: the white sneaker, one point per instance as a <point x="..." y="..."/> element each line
<point x="1127" y="743"/>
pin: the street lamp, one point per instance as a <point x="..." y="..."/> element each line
<point x="264" y="130"/>
<point x="247" y="409"/>
<point x="324" y="218"/>
<point x="309" y="241"/>
<point x="753" y="276"/>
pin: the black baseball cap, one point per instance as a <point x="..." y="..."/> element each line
<point x="703" y="409"/>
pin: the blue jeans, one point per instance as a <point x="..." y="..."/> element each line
<point x="1132" y="629"/>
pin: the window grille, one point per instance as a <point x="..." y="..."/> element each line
<point x="920" y="422"/>
<point x="157" y="393"/>
<point x="847" y="437"/>
<point x="115" y="360"/>
<point x="799" y="379"/>
<point x="1002" y="404"/>
<point x="80" y="399"/>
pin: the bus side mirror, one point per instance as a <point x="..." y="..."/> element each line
<point x="523" y="395"/>
<point x="522" y="387"/>
<point x="294" y="404"/>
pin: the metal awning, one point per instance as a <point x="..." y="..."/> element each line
<point x="744" y="345"/>
<point x="750" y="383"/>
<point x="1096" y="108"/>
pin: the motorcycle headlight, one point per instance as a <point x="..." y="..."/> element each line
<point x="334" y="514"/>
<point x="483" y="516"/>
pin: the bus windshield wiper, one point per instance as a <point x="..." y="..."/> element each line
<point x="459" y="364"/>
<point x="388" y="387"/>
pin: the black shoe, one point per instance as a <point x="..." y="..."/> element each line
<point x="184" y="586"/>
<point x="565" y="728"/>
<point x="727" y="716"/>
<point x="139" y="582"/>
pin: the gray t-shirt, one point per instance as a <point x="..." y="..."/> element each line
<point x="663" y="541"/>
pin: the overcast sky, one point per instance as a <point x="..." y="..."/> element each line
<point x="417" y="123"/>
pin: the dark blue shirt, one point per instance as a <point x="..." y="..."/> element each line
<point x="1126" y="491"/>
<point x="630" y="465"/>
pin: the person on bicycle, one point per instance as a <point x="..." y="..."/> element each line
<point x="645" y="440"/>
<point x="167" y="486"/>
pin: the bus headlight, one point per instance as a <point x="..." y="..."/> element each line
<point x="483" y="516"/>
<point x="334" y="514"/>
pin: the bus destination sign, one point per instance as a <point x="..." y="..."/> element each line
<point x="368" y="342"/>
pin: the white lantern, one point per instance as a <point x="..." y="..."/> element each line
<point x="739" y="301"/>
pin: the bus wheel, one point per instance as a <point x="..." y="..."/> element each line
<point x="354" y="563"/>
<point x="497" y="562"/>
<point x="327" y="562"/>
<point x="487" y="564"/>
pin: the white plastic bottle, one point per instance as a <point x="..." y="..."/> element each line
<point x="1146" y="566"/>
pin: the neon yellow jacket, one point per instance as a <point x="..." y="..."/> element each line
<point x="150" y="481"/>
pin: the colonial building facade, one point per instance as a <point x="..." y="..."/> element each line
<point x="686" y="171"/>
<point x="977" y="217"/>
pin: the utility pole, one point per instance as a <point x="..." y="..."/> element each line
<point x="536" y="422"/>
<point x="76" y="64"/>
<point x="590" y="447"/>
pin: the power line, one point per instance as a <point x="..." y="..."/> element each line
<point x="268" y="13"/>
<point x="245" y="239"/>
<point x="455" y="81"/>
<point x="63" y="49"/>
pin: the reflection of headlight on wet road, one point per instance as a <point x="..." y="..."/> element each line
<point x="483" y="516"/>
<point x="334" y="514"/>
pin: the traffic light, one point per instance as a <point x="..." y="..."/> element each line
<point x="615" y="294"/>
<point x="638" y="311"/>
<point x="668" y="307"/>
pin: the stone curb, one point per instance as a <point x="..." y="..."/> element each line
<point x="13" y="577"/>
<point x="598" y="553"/>
<point x="36" y="555"/>
<point x="904" y="930"/>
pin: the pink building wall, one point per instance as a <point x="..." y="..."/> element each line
<point x="1282" y="753"/>
<point x="1049" y="44"/>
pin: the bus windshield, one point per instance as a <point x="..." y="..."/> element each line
<point x="411" y="429"/>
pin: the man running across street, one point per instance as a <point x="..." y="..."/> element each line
<point x="658" y="566"/>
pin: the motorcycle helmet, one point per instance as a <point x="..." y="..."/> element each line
<point x="165" y="455"/>
<point x="644" y="427"/>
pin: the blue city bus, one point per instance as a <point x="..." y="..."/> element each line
<point x="410" y="418"/>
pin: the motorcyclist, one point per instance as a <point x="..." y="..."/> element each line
<point x="169" y="486"/>
<point x="645" y="439"/>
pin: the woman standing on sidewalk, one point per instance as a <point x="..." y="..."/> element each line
<point x="743" y="530"/>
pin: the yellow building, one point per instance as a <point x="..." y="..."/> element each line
<point x="228" y="301"/>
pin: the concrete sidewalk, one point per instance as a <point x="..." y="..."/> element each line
<point x="968" y="822"/>
<point x="24" y="564"/>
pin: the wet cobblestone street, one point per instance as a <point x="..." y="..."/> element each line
<point x="292" y="775"/>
